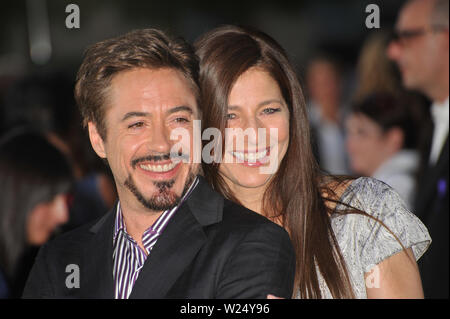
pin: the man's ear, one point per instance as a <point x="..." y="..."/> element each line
<point x="96" y="140"/>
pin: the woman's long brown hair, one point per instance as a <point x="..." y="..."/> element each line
<point x="294" y="194"/>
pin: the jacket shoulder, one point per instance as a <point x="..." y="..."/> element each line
<point x="240" y="217"/>
<point x="75" y="237"/>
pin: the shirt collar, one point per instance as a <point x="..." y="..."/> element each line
<point x="440" y="112"/>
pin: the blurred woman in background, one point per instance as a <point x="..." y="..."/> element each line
<point x="382" y="136"/>
<point x="375" y="72"/>
<point x="35" y="178"/>
<point x="45" y="102"/>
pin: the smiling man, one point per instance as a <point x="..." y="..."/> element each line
<point x="170" y="235"/>
<point x="145" y="106"/>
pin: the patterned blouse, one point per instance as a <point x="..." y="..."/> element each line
<point x="364" y="242"/>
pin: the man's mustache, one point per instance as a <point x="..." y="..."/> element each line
<point x="160" y="157"/>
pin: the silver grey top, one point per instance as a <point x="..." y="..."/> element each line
<point x="363" y="241"/>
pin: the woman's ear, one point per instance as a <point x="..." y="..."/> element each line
<point x="395" y="139"/>
<point x="96" y="140"/>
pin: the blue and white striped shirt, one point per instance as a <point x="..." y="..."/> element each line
<point x="128" y="257"/>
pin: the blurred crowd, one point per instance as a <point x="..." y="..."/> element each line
<point x="382" y="127"/>
<point x="51" y="179"/>
<point x="379" y="130"/>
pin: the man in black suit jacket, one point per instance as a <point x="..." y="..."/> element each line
<point x="422" y="52"/>
<point x="170" y="235"/>
<point x="432" y="207"/>
<point x="212" y="248"/>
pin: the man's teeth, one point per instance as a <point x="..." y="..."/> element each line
<point x="158" y="168"/>
<point x="250" y="157"/>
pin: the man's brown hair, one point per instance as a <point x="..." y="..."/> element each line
<point x="146" y="48"/>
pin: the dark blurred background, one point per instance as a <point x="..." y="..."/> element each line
<point x="301" y="26"/>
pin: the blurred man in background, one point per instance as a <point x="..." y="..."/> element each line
<point x="421" y="50"/>
<point x="326" y="114"/>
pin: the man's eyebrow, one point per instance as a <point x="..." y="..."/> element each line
<point x="235" y="107"/>
<point x="180" y="109"/>
<point x="170" y="111"/>
<point x="134" y="114"/>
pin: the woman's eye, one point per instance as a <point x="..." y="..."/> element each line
<point x="136" y="125"/>
<point x="231" y="116"/>
<point x="271" y="110"/>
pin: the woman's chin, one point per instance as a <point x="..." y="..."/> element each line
<point x="253" y="183"/>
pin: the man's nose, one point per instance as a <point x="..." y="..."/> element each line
<point x="393" y="50"/>
<point x="158" y="140"/>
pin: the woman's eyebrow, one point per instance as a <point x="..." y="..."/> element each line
<point x="266" y="102"/>
<point x="270" y="102"/>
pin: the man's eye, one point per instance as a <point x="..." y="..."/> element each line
<point x="136" y="125"/>
<point x="182" y="120"/>
<point x="271" y="110"/>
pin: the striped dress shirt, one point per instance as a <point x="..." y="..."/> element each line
<point x="128" y="257"/>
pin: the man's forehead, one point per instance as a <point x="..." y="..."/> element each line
<point x="415" y="14"/>
<point x="164" y="88"/>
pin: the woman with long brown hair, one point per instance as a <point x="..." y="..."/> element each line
<point x="353" y="238"/>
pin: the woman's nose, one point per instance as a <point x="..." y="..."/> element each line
<point x="258" y="131"/>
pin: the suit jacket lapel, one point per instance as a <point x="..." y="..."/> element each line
<point x="173" y="251"/>
<point x="429" y="183"/>
<point x="179" y="242"/>
<point x="97" y="270"/>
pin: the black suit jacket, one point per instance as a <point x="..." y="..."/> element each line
<point x="432" y="207"/>
<point x="211" y="248"/>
